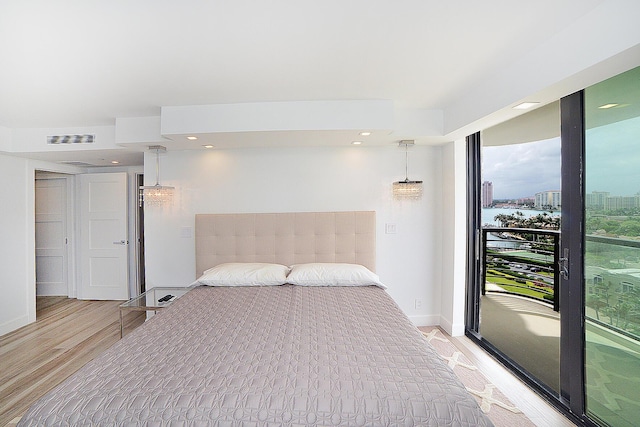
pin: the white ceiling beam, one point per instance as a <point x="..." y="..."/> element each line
<point x="277" y="116"/>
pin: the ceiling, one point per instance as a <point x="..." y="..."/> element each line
<point x="70" y="64"/>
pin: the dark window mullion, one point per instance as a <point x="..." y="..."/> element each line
<point x="474" y="271"/>
<point x="572" y="240"/>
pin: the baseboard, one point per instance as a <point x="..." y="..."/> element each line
<point x="13" y="324"/>
<point x="428" y="320"/>
<point x="51" y="293"/>
<point x="453" y="329"/>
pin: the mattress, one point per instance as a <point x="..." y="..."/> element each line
<point x="266" y="356"/>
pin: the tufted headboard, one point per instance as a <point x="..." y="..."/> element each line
<point x="286" y="238"/>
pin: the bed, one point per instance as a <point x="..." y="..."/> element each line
<point x="331" y="349"/>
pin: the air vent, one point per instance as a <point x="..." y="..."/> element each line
<point x="70" y="139"/>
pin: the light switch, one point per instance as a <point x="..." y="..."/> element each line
<point x="390" y="228"/>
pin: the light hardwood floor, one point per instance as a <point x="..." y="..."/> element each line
<point x="66" y="335"/>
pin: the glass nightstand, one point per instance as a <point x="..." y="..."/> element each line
<point x="148" y="301"/>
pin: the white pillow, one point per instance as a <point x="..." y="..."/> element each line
<point x="244" y="274"/>
<point x="330" y="274"/>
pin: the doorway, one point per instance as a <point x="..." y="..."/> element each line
<point x="140" y="271"/>
<point x="596" y="287"/>
<point x="53" y="217"/>
<point x="519" y="313"/>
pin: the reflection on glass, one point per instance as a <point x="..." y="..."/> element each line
<point x="612" y="250"/>
<point x="521" y="190"/>
<point x="519" y="306"/>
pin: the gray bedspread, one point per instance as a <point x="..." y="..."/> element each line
<point x="266" y="356"/>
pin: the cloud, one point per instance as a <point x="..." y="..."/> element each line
<point x="521" y="170"/>
<point x="612" y="163"/>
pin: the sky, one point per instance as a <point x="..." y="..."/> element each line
<point x="613" y="158"/>
<point x="612" y="163"/>
<point x="522" y="170"/>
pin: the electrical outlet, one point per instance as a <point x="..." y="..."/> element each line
<point x="418" y="304"/>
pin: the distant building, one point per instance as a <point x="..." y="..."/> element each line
<point x="596" y="200"/>
<point x="548" y="200"/>
<point x="526" y="201"/>
<point x="614" y="284"/>
<point x="487" y="194"/>
<point x="602" y="200"/>
<point x="613" y="203"/>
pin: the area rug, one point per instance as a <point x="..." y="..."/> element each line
<point x="495" y="404"/>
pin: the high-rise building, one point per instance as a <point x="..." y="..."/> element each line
<point x="487" y="194"/>
<point x="603" y="200"/>
<point x="613" y="203"/>
<point x="548" y="200"/>
<point x="596" y="199"/>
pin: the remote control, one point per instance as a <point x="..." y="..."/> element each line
<point x="165" y="298"/>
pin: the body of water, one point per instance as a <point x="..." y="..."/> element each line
<point x="488" y="214"/>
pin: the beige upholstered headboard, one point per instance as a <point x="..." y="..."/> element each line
<point x="286" y="238"/>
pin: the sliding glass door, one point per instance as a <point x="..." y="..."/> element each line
<point x="612" y="250"/>
<point x="562" y="307"/>
<point x="521" y="208"/>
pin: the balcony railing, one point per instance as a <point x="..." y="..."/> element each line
<point x="612" y="283"/>
<point x="522" y="262"/>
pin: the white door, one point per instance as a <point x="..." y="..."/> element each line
<point x="104" y="245"/>
<point x="51" y="236"/>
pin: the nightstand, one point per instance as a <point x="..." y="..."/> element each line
<point x="148" y="301"/>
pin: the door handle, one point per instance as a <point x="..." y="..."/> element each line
<point x="563" y="264"/>
<point x="121" y="242"/>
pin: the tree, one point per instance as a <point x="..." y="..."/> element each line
<point x="517" y="220"/>
<point x="596" y="303"/>
<point x="629" y="228"/>
<point x="603" y="293"/>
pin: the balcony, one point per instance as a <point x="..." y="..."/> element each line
<point x="519" y="307"/>
<point x="519" y="313"/>
<point x="522" y="262"/>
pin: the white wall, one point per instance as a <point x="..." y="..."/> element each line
<point x="305" y="179"/>
<point x="17" y="244"/>
<point x="454" y="237"/>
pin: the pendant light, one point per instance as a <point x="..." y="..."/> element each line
<point x="156" y="195"/>
<point x="407" y="189"/>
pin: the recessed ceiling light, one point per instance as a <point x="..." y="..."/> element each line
<point x="356" y="143"/>
<point x="365" y="133"/>
<point x="525" y="105"/>
<point x="192" y="138"/>
<point x="115" y="162"/>
<point x="605" y="106"/>
<point x="208" y="146"/>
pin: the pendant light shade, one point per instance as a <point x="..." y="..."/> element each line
<point x="156" y="195"/>
<point x="407" y="189"/>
